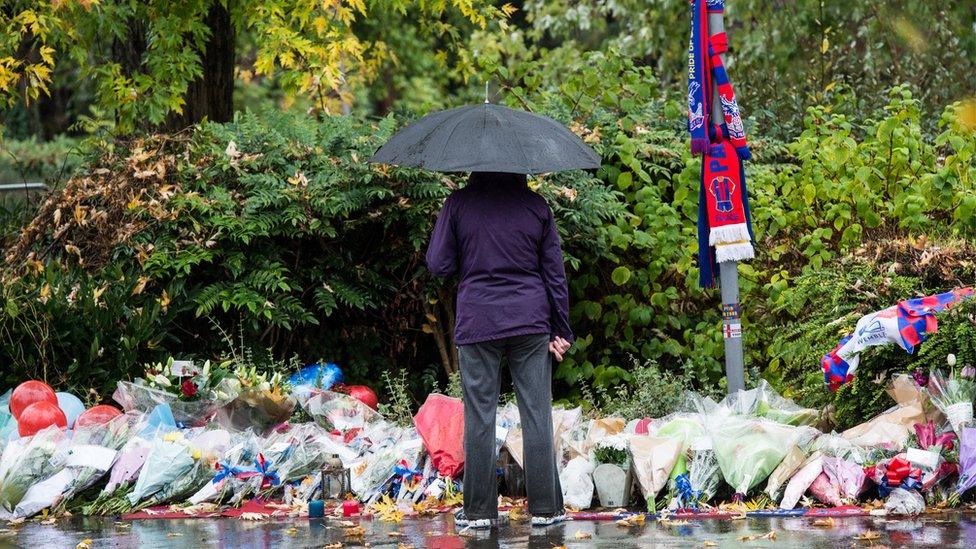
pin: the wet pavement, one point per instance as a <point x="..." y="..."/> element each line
<point x="945" y="530"/>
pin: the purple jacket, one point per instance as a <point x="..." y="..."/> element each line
<point x="500" y="238"/>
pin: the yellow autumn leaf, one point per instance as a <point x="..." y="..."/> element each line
<point x="824" y="45"/>
<point x="140" y="285"/>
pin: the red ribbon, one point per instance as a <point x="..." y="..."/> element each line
<point x="899" y="469"/>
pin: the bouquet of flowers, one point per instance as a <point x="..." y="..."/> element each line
<point x="204" y="447"/>
<point x="896" y="472"/>
<point x="339" y="412"/>
<point x="262" y="401"/>
<point x="682" y="427"/>
<point x="953" y="394"/>
<point x="91" y="453"/>
<point x="748" y="450"/>
<point x="193" y="396"/>
<point x="26" y="462"/>
<point x="967" y="461"/>
<point x="170" y="457"/>
<point x="612" y="450"/>
<point x="703" y="477"/>
<point x="654" y="458"/>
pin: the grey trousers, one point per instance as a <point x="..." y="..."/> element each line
<point x="531" y="367"/>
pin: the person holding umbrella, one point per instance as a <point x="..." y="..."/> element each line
<point x="500" y="239"/>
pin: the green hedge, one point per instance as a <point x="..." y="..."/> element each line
<point x="291" y="240"/>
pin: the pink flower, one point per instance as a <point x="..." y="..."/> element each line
<point x="968" y="371"/>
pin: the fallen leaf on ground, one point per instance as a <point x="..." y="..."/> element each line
<point x="670" y="522"/>
<point x="405" y="546"/>
<point x="51" y="520"/>
<point x="336" y="545"/>
<point x="355" y="532"/>
<point x="84" y="544"/>
<point x="517" y="514"/>
<point x="824" y="522"/>
<point x="395" y="534"/>
<point x="771" y="536"/>
<point x="582" y="535"/>
<point x="868" y="535"/>
<point x="292" y="531"/>
<point x="636" y="520"/>
<point x="173" y="534"/>
<point x="710" y="544"/>
<point x="253" y="516"/>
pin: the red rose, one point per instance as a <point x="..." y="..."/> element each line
<point x="188" y="388"/>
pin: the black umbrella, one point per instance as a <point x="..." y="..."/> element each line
<point x="487" y="138"/>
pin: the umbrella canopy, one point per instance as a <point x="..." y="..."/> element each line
<point x="487" y="138"/>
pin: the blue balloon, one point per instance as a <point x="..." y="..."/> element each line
<point x="72" y="407"/>
<point x="318" y="375"/>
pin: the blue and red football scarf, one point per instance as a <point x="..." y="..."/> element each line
<point x="724" y="223"/>
<point x="906" y="324"/>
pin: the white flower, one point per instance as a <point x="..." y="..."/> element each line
<point x="161" y="380"/>
<point x="951" y="360"/>
<point x="617" y="442"/>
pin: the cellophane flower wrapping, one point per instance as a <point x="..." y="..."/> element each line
<point x="967" y="459"/>
<point x="749" y="449"/>
<point x="683" y="427"/>
<point x="140" y="397"/>
<point x="953" y="394"/>
<point x="205" y="445"/>
<point x="26" y="462"/>
<point x="652" y="459"/>
<point x="703" y="472"/>
<point x="846" y="475"/>
<point x="94" y="449"/>
<point x="339" y="412"/>
<point x="256" y="408"/>
<point x="904" y="502"/>
<point x="826" y="491"/>
<point x="170" y="457"/>
<point x="801" y="481"/>
<point x="791" y="463"/>
<point x="373" y="471"/>
<point x="128" y="464"/>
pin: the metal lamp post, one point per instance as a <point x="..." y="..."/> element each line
<point x="729" y="270"/>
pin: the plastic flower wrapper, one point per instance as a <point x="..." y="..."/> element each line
<point x="26" y="462"/>
<point x="262" y="402"/>
<point x="204" y="446"/>
<point x="170" y="457"/>
<point x="893" y="427"/>
<point x="370" y="473"/>
<point x="339" y="412"/>
<point x="928" y="450"/>
<point x="771" y="405"/>
<point x="794" y="459"/>
<point x="748" y="450"/>
<point x="128" y="464"/>
<point x="896" y="472"/>
<point x="967" y="460"/>
<point x="826" y="491"/>
<point x="801" y="481"/>
<point x="703" y="476"/>
<point x="228" y="473"/>
<point x="193" y="399"/>
<point x="846" y="475"/>
<point x="904" y="502"/>
<point x="683" y="427"/>
<point x="653" y="458"/>
<point x="93" y="449"/>
<point x="953" y="394"/>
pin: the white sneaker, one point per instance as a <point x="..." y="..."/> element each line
<point x="462" y="521"/>
<point x="548" y="520"/>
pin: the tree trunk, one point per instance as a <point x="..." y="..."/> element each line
<point x="212" y="95"/>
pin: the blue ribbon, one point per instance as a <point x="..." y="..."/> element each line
<point x="402" y="471"/>
<point x="910" y="483"/>
<point x="263" y="466"/>
<point x="688" y="496"/>
<point x="226" y="470"/>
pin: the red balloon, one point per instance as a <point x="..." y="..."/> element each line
<point x="97" y="415"/>
<point x="28" y="393"/>
<point x="38" y="416"/>
<point x="363" y="394"/>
